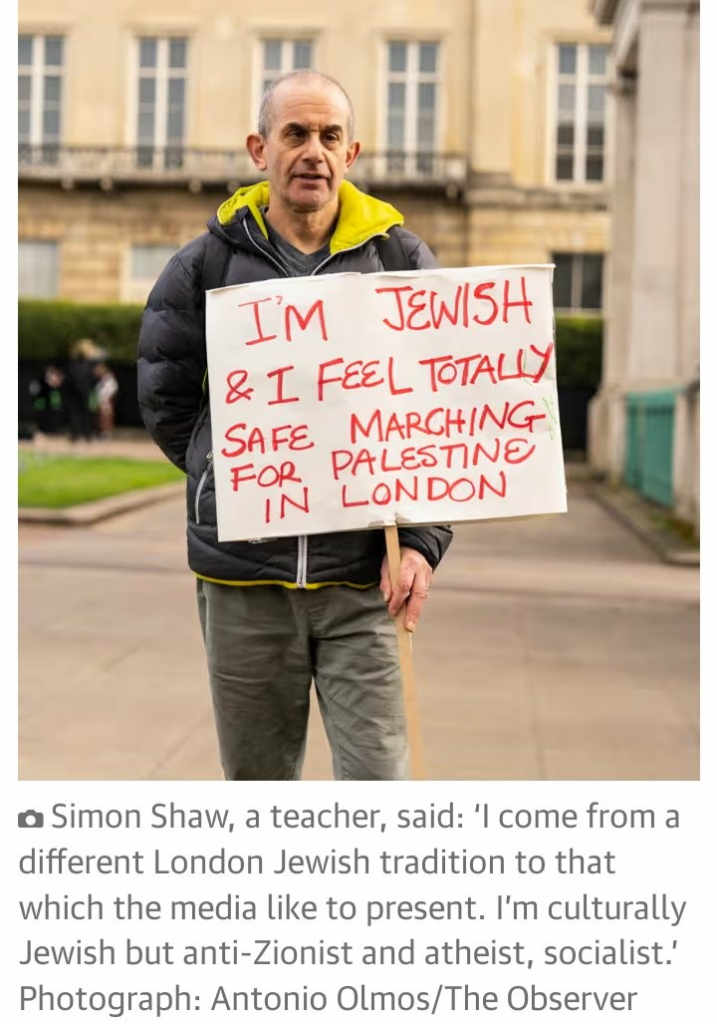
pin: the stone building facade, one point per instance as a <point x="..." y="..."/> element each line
<point x="484" y="121"/>
<point x="644" y="422"/>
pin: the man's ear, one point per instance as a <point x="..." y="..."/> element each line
<point x="352" y="152"/>
<point x="255" y="145"/>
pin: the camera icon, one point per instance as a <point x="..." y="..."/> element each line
<point x="30" y="819"/>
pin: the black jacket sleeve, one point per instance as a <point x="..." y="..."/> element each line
<point x="172" y="356"/>
<point x="431" y="541"/>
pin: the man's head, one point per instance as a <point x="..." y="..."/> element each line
<point x="266" y="110"/>
<point x="304" y="142"/>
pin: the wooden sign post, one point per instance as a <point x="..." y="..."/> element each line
<point x="405" y="659"/>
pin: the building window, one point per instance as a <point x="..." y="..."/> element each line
<point x="39" y="94"/>
<point x="38" y="266"/>
<point x="581" y="93"/>
<point x="161" y="101"/>
<point x="577" y="281"/>
<point x="279" y="56"/>
<point x="411" y="106"/>
<point x="146" y="263"/>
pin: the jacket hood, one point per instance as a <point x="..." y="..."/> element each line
<point x="361" y="216"/>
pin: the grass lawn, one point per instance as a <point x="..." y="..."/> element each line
<point x="60" y="481"/>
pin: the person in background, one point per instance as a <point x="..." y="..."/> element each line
<point x="106" y="389"/>
<point x="79" y="390"/>
<point x="46" y="396"/>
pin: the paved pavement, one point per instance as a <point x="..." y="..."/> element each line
<point x="556" y="648"/>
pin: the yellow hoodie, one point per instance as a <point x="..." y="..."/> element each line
<point x="360" y="216"/>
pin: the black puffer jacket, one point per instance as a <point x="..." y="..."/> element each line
<point x="172" y="365"/>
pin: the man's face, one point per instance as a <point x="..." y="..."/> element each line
<point x="307" y="150"/>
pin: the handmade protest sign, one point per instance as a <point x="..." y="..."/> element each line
<point x="353" y="401"/>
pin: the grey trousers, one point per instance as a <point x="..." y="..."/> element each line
<point x="265" y="644"/>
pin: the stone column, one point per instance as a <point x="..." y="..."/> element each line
<point x="664" y="325"/>
<point x="606" y="414"/>
<point x="685" y="462"/>
<point x="662" y="129"/>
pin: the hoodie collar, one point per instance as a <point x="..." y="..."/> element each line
<point x="361" y="216"/>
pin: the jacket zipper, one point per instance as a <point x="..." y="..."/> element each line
<point x="263" y="251"/>
<point x="200" y="487"/>
<point x="302" y="561"/>
<point x="334" y="254"/>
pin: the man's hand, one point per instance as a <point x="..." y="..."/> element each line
<point x="414" y="579"/>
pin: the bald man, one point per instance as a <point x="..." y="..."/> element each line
<point x="282" y="614"/>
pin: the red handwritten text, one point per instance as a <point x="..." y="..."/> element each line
<point x="235" y="382"/>
<point x="294" y="438"/>
<point x="282" y="320"/>
<point x="465" y="371"/>
<point x="420" y="310"/>
<point x="430" y="488"/>
<point x="281" y="398"/>
<point x="358" y="374"/>
<point x="512" y="451"/>
<point x="443" y="422"/>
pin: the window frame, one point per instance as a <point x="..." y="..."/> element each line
<point x="160" y="149"/>
<point x="582" y="80"/>
<point x="576" y="284"/>
<point x="413" y="77"/>
<point x="287" y="38"/>
<point x="134" y="288"/>
<point x="52" y="245"/>
<point x="37" y="71"/>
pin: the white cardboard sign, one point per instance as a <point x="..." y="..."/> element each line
<point x="352" y="401"/>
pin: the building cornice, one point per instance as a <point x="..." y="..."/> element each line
<point x="520" y="198"/>
<point x="604" y="10"/>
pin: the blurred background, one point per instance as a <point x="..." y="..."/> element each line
<point x="506" y="132"/>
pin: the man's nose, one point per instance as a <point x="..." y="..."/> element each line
<point x="313" y="150"/>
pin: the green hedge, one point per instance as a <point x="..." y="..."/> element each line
<point x="47" y="329"/>
<point x="578" y="351"/>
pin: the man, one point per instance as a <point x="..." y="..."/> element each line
<point x="319" y="613"/>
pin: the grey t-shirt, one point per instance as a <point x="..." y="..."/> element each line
<point x="297" y="263"/>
